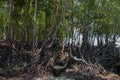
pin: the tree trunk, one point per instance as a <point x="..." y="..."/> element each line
<point x="35" y="28"/>
<point x="9" y="33"/>
<point x="114" y="31"/>
<point x="46" y="19"/>
<point x="85" y="29"/>
<point x="34" y="35"/>
<point x="114" y="34"/>
<point x="25" y="22"/>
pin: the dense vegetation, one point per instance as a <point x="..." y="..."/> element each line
<point x="50" y="35"/>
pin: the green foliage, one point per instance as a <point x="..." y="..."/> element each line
<point x="100" y="18"/>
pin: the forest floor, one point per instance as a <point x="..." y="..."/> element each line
<point x="17" y="64"/>
<point x="74" y="72"/>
